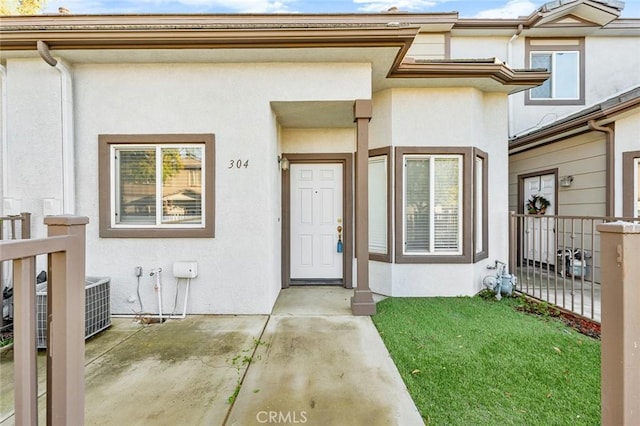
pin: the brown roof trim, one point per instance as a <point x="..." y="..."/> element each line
<point x="577" y="123"/>
<point x="470" y="69"/>
<point x="195" y="38"/>
<point x="225" y="21"/>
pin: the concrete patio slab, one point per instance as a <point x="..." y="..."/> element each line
<point x="323" y="370"/>
<point x="310" y="362"/>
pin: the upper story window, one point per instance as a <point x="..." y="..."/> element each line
<point x="156" y="185"/>
<point x="564" y="58"/>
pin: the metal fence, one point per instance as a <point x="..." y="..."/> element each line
<point x="557" y="259"/>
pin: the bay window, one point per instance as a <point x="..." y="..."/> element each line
<point x="432" y="223"/>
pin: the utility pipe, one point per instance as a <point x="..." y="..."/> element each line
<point x="5" y="137"/>
<point x="68" y="141"/>
<point x="610" y="149"/>
<point x="510" y="63"/>
<point x="161" y="316"/>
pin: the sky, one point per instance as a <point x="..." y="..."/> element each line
<point x="466" y="8"/>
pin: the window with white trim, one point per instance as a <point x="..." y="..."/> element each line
<point x="378" y="207"/>
<point x="156" y="185"/>
<point x="478" y="203"/>
<point x="432" y="204"/>
<point x="564" y="83"/>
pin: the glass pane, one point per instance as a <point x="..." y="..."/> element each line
<point x="378" y="204"/>
<point x="541" y="60"/>
<point x="479" y="210"/>
<point x="136" y="186"/>
<point x="182" y="185"/>
<point x="565" y="75"/>
<point x="447" y="205"/>
<point x="416" y="208"/>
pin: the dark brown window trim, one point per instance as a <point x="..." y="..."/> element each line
<point x="378" y="152"/>
<point x="628" y="203"/>
<point x="484" y="253"/>
<point x="557" y="48"/>
<point x="467" y="235"/>
<point x="348" y="219"/>
<point x="104" y="186"/>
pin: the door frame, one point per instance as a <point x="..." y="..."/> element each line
<point x="520" y="201"/>
<point x="346" y="159"/>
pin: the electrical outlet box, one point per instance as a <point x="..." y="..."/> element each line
<point x="185" y="269"/>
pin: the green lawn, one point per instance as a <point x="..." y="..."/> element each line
<point x="470" y="361"/>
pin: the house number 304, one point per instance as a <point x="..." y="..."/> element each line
<point x="238" y="164"/>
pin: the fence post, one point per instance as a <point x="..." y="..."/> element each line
<point x="513" y="242"/>
<point x="620" y="353"/>
<point x="66" y="324"/>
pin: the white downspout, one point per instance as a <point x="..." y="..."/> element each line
<point x="68" y="140"/>
<point x="510" y="62"/>
<point x="5" y="137"/>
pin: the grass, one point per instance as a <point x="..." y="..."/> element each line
<point x="469" y="361"/>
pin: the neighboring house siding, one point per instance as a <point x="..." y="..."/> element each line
<point x="429" y="46"/>
<point x="479" y="47"/>
<point x="582" y="157"/>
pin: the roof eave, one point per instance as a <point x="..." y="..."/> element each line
<point x="576" y="125"/>
<point x="499" y="72"/>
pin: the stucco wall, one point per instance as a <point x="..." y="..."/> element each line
<point x="239" y="270"/>
<point x="612" y="65"/>
<point x="457" y="117"/>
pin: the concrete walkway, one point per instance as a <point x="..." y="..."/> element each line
<point x="310" y="362"/>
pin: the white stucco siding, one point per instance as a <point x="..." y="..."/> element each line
<point x="380" y="126"/>
<point x="434" y="117"/>
<point x="307" y="141"/>
<point x="455" y="117"/>
<point x="431" y="280"/>
<point x="613" y="66"/>
<point x="33" y="120"/>
<point x="239" y="269"/>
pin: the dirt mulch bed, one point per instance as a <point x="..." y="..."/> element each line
<point x="581" y="324"/>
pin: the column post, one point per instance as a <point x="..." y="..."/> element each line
<point x="66" y="323"/>
<point x="620" y="348"/>
<point x="362" y="301"/>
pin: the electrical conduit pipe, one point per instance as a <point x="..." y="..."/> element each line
<point x="68" y="142"/>
<point x="158" y="288"/>
<point x="510" y="63"/>
<point x="5" y="137"/>
<point x="610" y="163"/>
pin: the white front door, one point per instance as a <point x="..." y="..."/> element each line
<point x="539" y="231"/>
<point x="316" y="212"/>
